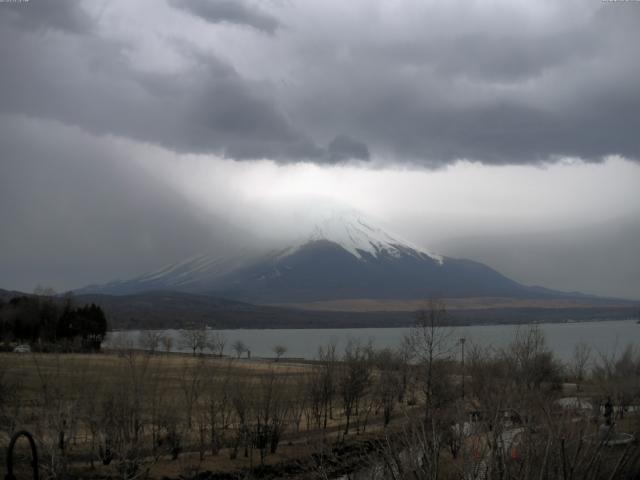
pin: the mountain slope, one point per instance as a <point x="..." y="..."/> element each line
<point x="195" y="274"/>
<point x="343" y="257"/>
<point x="322" y="270"/>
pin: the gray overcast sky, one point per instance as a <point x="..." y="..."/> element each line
<point x="133" y="134"/>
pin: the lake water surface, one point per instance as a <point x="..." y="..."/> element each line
<point x="604" y="337"/>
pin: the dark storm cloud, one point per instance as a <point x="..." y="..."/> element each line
<point x="490" y="56"/>
<point x="512" y="132"/>
<point x="344" y="148"/>
<point x="428" y="85"/>
<point x="92" y="84"/>
<point x="89" y="89"/>
<point x="214" y="110"/>
<point x="63" y="15"/>
<point x="235" y="12"/>
<point x="499" y="94"/>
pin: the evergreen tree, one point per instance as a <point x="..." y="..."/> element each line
<point x="42" y="319"/>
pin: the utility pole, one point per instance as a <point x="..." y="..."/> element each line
<point x="462" y="341"/>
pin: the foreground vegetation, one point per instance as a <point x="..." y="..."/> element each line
<point x="421" y="412"/>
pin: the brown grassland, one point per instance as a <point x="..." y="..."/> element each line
<point x="417" y="412"/>
<point x="53" y="393"/>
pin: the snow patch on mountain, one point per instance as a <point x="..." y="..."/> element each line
<point x="194" y="270"/>
<point x="188" y="266"/>
<point x="349" y="230"/>
<point x="356" y="235"/>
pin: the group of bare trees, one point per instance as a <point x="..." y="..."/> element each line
<point x="618" y="378"/>
<point x="194" y="340"/>
<point x="73" y="409"/>
<point x="197" y="341"/>
<point x="512" y="423"/>
<point x="132" y="409"/>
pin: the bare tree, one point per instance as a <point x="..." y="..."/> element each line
<point x="299" y="403"/>
<point x="194" y="339"/>
<point x="618" y="377"/>
<point x="430" y="341"/>
<point x="240" y="399"/>
<point x="315" y="393"/>
<point x="531" y="359"/>
<point x="405" y="355"/>
<point x="239" y="347"/>
<point x="389" y="385"/>
<point x="218" y="406"/>
<point x="279" y="351"/>
<point x="150" y="340"/>
<point x="216" y="343"/>
<point x="191" y="380"/>
<point x="579" y="362"/>
<point x="269" y="411"/>
<point x="326" y="381"/>
<point x="355" y="377"/>
<point x="57" y="411"/>
<point x="123" y="416"/>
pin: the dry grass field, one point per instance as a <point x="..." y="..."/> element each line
<point x="135" y="404"/>
<point x="130" y="414"/>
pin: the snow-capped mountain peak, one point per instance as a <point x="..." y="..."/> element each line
<point x="383" y="266"/>
<point x="359" y="237"/>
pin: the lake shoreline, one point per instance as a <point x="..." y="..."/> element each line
<point x="279" y="318"/>
<point x="391" y="325"/>
<point x="603" y="336"/>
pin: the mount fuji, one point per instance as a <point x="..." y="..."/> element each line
<point x="343" y="257"/>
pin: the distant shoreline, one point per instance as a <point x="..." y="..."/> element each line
<point x="161" y="310"/>
<point x="553" y="322"/>
<point x="368" y="320"/>
<point x="464" y="303"/>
